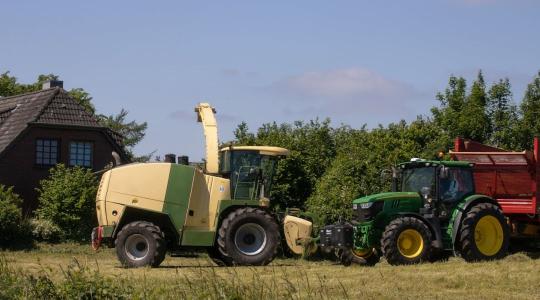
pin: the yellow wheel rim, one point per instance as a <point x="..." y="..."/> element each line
<point x="364" y="253"/>
<point x="488" y="235"/>
<point x="410" y="243"/>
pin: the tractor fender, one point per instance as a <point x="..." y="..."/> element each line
<point x="463" y="207"/>
<point x="433" y="226"/>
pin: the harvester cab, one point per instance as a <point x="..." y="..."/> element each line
<point x="146" y="210"/>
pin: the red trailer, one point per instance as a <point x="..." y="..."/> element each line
<point x="512" y="178"/>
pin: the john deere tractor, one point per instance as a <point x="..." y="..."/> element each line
<point x="148" y="209"/>
<point x="432" y="211"/>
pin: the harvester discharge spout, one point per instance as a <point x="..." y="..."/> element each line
<point x="206" y="116"/>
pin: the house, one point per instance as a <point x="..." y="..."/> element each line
<point x="41" y="129"/>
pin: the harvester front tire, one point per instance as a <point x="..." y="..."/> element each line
<point x="484" y="233"/>
<point x="249" y="236"/>
<point x="140" y="244"/>
<point x="405" y="241"/>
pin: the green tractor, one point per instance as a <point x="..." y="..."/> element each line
<point x="433" y="211"/>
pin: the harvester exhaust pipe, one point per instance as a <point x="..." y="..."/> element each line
<point x="205" y="115"/>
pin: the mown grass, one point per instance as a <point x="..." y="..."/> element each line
<point x="69" y="271"/>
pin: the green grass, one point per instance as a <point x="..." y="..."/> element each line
<point x="68" y="271"/>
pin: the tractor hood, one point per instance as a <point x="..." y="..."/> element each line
<point x="387" y="196"/>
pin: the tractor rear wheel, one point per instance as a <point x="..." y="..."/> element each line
<point x="484" y="233"/>
<point x="405" y="241"/>
<point x="140" y="244"/>
<point x="249" y="236"/>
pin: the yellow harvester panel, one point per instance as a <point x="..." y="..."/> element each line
<point x="206" y="193"/>
<point x="295" y="230"/>
<point x="140" y="185"/>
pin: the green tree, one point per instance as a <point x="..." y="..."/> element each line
<point x="132" y="131"/>
<point x="529" y="126"/>
<point x="473" y="120"/>
<point x="67" y="199"/>
<point x="452" y="101"/>
<point x="10" y="216"/>
<point x="502" y="115"/>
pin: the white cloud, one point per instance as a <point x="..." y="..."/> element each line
<point x="340" y="83"/>
<point x="348" y="91"/>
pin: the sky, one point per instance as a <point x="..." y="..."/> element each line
<point x="355" y="62"/>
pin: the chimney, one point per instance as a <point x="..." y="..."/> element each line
<point x="52" y="83"/>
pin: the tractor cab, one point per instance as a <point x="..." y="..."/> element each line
<point x="444" y="182"/>
<point x="250" y="169"/>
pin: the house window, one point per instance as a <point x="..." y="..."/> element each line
<point x="80" y="154"/>
<point x="47" y="152"/>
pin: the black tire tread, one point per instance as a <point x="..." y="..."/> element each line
<point x="221" y="245"/>
<point x="157" y="235"/>
<point x="466" y="233"/>
<point x="389" y="246"/>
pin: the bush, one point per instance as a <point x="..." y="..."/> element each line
<point x="67" y="199"/>
<point x="46" y="231"/>
<point x="12" y="226"/>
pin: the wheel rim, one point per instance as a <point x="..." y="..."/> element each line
<point x="250" y="239"/>
<point x="410" y="243"/>
<point x="488" y="235"/>
<point x="363" y="253"/>
<point x="136" y="247"/>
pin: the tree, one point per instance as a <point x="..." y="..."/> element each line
<point x="67" y="199"/>
<point x="452" y="102"/>
<point x="132" y="131"/>
<point x="530" y="113"/>
<point x="473" y="120"/>
<point x="502" y="114"/>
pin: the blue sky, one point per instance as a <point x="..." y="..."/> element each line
<point x="258" y="61"/>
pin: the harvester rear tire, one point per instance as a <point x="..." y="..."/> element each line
<point x="484" y="233"/>
<point x="405" y="241"/>
<point x="249" y="236"/>
<point x="140" y="244"/>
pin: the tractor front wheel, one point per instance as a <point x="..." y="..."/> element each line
<point x="484" y="233"/>
<point x="405" y="241"/>
<point x="367" y="257"/>
<point x="140" y="244"/>
<point x="249" y="236"/>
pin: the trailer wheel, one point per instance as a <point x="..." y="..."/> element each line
<point x="218" y="258"/>
<point x="484" y="233"/>
<point x="140" y="244"/>
<point x="250" y="236"/>
<point x="405" y="241"/>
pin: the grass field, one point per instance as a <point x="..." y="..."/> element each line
<point x="70" y="271"/>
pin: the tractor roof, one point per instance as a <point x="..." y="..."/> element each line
<point x="448" y="163"/>
<point x="265" y="150"/>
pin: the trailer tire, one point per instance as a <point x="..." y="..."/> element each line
<point x="249" y="236"/>
<point x="140" y="244"/>
<point x="405" y="241"/>
<point x="484" y="233"/>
